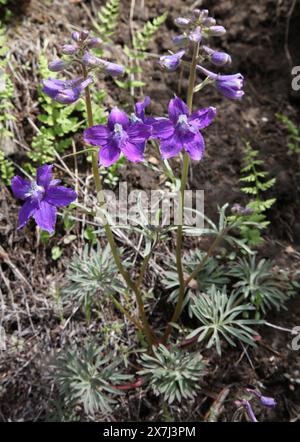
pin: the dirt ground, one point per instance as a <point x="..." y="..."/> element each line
<point x="263" y="52"/>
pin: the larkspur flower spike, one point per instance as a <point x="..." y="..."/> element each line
<point x="264" y="400"/>
<point x="65" y="91"/>
<point x="41" y="198"/>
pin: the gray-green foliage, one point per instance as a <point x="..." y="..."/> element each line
<point x="257" y="283"/>
<point x="212" y="272"/>
<point x="256" y="182"/>
<point x="137" y="53"/>
<point x="86" y="376"/>
<point x="172" y="372"/>
<point x="222" y="317"/>
<point x="91" y="277"/>
<point x="6" y="107"/>
<point x="108" y="19"/>
<point x="293" y="132"/>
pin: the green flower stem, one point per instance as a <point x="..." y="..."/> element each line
<point x="120" y="307"/>
<point x="110" y="237"/>
<point x="184" y="177"/>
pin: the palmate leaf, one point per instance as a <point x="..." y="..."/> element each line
<point x="86" y="376"/>
<point x="221" y="316"/>
<point x="172" y="372"/>
<point x="257" y="283"/>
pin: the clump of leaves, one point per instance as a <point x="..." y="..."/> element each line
<point x="212" y="272"/>
<point x="257" y="182"/>
<point x="258" y="283"/>
<point x="86" y="377"/>
<point x="6" y="118"/>
<point x="222" y="316"/>
<point x="172" y="372"/>
<point x="293" y="133"/>
<point x="91" y="277"/>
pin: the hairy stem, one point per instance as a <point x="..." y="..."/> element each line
<point x="184" y="177"/>
<point x="110" y="237"/>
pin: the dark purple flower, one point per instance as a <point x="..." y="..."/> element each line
<point x="231" y="86"/>
<point x="264" y="400"/>
<point x="41" y="197"/>
<point x="65" y="91"/>
<point x="91" y="60"/>
<point x="209" y="21"/>
<point x="119" y="135"/>
<point x="94" y="42"/>
<point x="139" y="115"/>
<point x="181" y="130"/>
<point x="171" y="62"/>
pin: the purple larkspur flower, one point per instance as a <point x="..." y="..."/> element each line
<point x="182" y="130"/>
<point x="231" y="86"/>
<point x="69" y="49"/>
<point x="171" y="62"/>
<point x="182" y="21"/>
<point x="113" y="69"/>
<point x="195" y="35"/>
<point x="118" y="135"/>
<point x="216" y="31"/>
<point x="266" y="401"/>
<point x="41" y="197"/>
<point x="65" y="91"/>
<point x="94" y="42"/>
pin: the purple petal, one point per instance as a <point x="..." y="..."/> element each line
<point x="117" y="116"/>
<point x="45" y="216"/>
<point x="59" y="196"/>
<point x="20" y="187"/>
<point x="170" y="147"/>
<point x="108" y="155"/>
<point x="53" y="86"/>
<point x="162" y="128"/>
<point x="203" y="117"/>
<point x="96" y="135"/>
<point x="28" y="209"/>
<point x="44" y="175"/>
<point x="176" y="108"/>
<point x="67" y="96"/>
<point x="140" y="108"/>
<point x="138" y="132"/>
<point x="195" y="148"/>
<point x="133" y="152"/>
<point x="83" y="84"/>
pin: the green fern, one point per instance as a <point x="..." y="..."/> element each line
<point x="6" y="169"/>
<point x="6" y="106"/>
<point x="141" y="41"/>
<point x="293" y="133"/>
<point x="256" y="182"/>
<point x="108" y="19"/>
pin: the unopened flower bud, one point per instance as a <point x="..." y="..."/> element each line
<point x="264" y="400"/>
<point x="69" y="49"/>
<point x="216" y="31"/>
<point x="94" y="42"/>
<point x="181" y="21"/>
<point x="114" y="69"/>
<point x="209" y="21"/>
<point x="75" y="36"/>
<point x="204" y="13"/>
<point x="180" y="40"/>
<point x="90" y="60"/>
<point x="171" y="62"/>
<point x="84" y="35"/>
<point x="220" y="58"/>
<point x="196" y="13"/>
<point x="196" y="36"/>
<point x="57" y="65"/>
